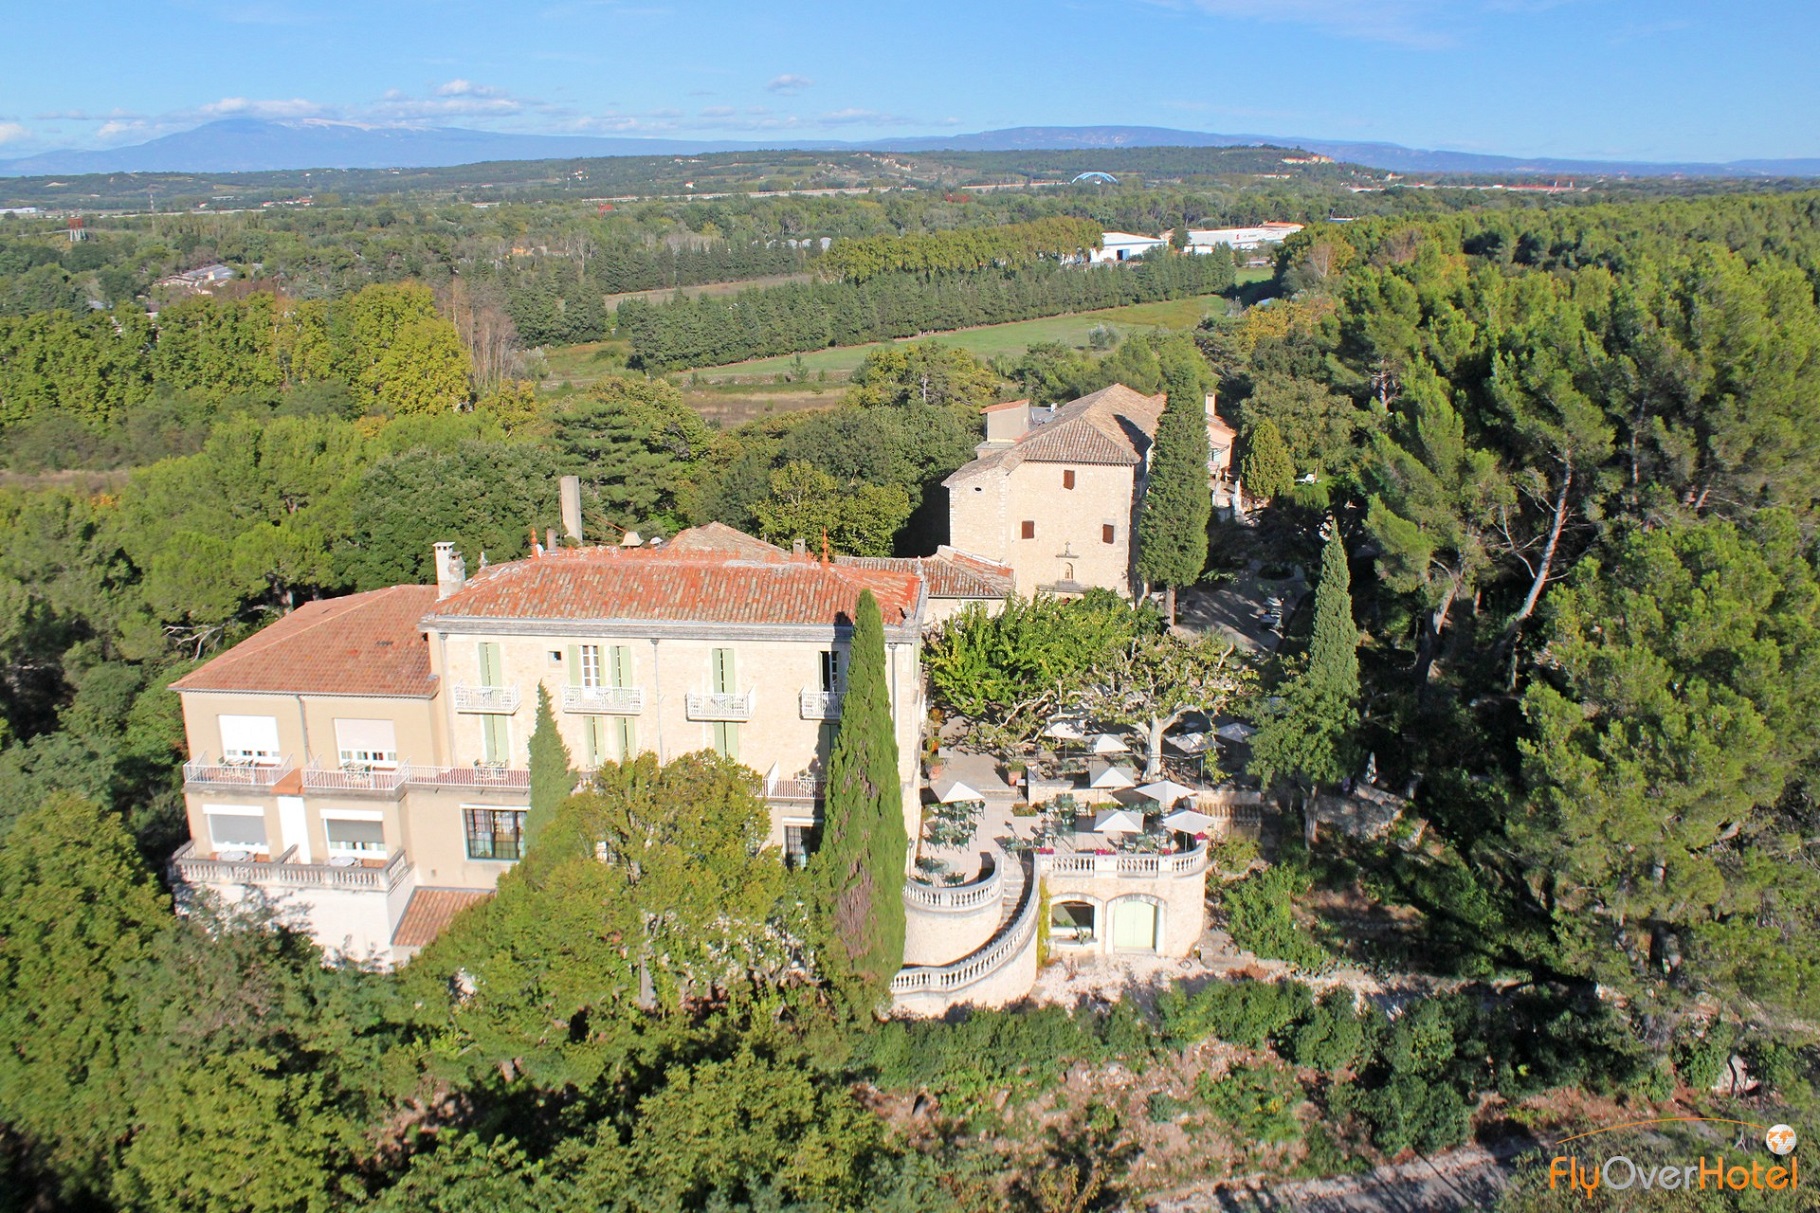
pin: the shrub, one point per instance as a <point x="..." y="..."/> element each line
<point x="1259" y="1105"/>
<point x="1259" y="917"/>
<point x="1246" y="1013"/>
<point x="1330" y="1039"/>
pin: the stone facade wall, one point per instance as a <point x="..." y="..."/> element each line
<point x="938" y="934"/>
<point x="986" y="515"/>
<point x="1180" y="899"/>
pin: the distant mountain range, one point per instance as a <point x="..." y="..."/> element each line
<point x="261" y="145"/>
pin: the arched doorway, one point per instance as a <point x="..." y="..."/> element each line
<point x="1134" y="925"/>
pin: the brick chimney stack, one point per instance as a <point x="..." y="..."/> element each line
<point x="451" y="570"/>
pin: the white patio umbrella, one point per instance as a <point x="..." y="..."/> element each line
<point x="955" y="792"/>
<point x="1188" y="821"/>
<point x="1112" y="777"/>
<point x="1118" y="821"/>
<point x="1064" y="730"/>
<point x="1109" y="743"/>
<point x="1237" y="730"/>
<point x="1166" y="791"/>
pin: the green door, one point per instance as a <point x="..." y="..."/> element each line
<point x="1133" y="925"/>
<point x="493" y="740"/>
<point x="621" y="668"/>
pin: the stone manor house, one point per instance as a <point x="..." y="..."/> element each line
<point x="361" y="763"/>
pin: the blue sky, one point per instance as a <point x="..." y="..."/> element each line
<point x="1638" y="79"/>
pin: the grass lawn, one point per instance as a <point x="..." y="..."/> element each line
<point x="988" y="341"/>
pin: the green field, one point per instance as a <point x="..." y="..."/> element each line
<point x="989" y="341"/>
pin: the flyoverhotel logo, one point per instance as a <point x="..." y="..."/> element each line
<point x="1620" y="1173"/>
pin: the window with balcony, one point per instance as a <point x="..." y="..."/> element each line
<point x="494" y="833"/>
<point x="366" y="743"/>
<point x="359" y="839"/>
<point x="590" y="666"/>
<point x="249" y="740"/>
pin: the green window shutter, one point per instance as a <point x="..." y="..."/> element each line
<point x="597" y="741"/>
<point x="622" y="665"/>
<point x="628" y="738"/>
<point x="726" y="739"/>
<point x="490" y="672"/>
<point x="724" y="682"/>
<point x="573" y="660"/>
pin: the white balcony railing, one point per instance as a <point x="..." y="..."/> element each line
<point x="609" y="701"/>
<point x="719" y="705"/>
<point x="479" y="775"/>
<point x="285" y="872"/>
<point x="356" y="777"/>
<point x="822" y="705"/>
<point x="234" y="773"/>
<point x="502" y="701"/>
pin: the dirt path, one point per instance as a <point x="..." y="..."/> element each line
<point x="1469" y="1178"/>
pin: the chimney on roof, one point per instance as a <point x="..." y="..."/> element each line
<point x="451" y="570"/>
<point x="799" y="546"/>
<point x="571" y="507"/>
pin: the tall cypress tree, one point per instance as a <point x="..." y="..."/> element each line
<point x="858" y="874"/>
<point x="1172" y="530"/>
<point x="1268" y="469"/>
<point x="1310" y="739"/>
<point x="552" y="778"/>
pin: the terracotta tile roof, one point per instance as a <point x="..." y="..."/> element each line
<point x="429" y="912"/>
<point x="950" y="573"/>
<point x="695" y="578"/>
<point x="1111" y="426"/>
<point x="364" y="644"/>
<point x="1009" y="404"/>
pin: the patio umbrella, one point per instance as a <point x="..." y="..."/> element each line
<point x="1118" y="821"/>
<point x="955" y="792"/>
<point x="1166" y="791"/>
<point x="1064" y="730"/>
<point x="1187" y="821"/>
<point x="1187" y="743"/>
<point x="1238" y="730"/>
<point x="1112" y="777"/>
<point x="1108" y="743"/>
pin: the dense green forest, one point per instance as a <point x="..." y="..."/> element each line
<point x="1570" y="450"/>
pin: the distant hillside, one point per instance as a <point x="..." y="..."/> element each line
<point x="240" y="145"/>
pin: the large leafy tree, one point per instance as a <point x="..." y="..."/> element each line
<point x="858" y="874"/>
<point x="1172" y="528"/>
<point x="79" y="917"/>
<point x="655" y="893"/>
<point x="1155" y="679"/>
<point x="1666" y="752"/>
<point x="636" y="447"/>
<point x="806" y="503"/>
<point x="1007" y="672"/>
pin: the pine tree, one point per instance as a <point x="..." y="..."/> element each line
<point x="552" y="778"/>
<point x="1267" y="470"/>
<point x="1172" y="530"/>
<point x="858" y="874"/>
<point x="1310" y="738"/>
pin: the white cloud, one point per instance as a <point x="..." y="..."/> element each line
<point x="12" y="132"/>
<point x="719" y="111"/>
<point x="852" y="116"/>
<point x="467" y="88"/>
<point x="245" y="107"/>
<point x="788" y="84"/>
